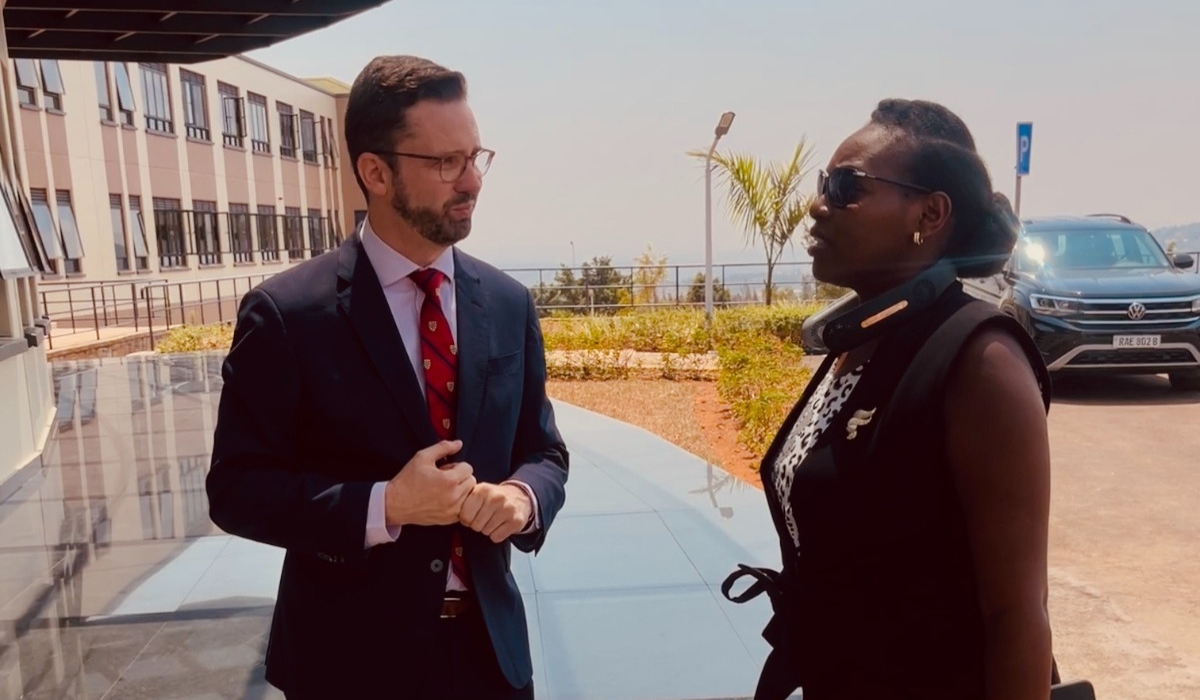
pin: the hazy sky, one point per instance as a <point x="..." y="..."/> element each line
<point x="591" y="105"/>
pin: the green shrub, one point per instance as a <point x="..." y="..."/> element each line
<point x="761" y="378"/>
<point x="215" y="336"/>
<point x="783" y="321"/>
<point x="591" y="365"/>
<point x="679" y="331"/>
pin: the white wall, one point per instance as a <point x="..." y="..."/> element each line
<point x="26" y="408"/>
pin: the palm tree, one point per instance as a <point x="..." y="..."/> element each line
<point x="764" y="198"/>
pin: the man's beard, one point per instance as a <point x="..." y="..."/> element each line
<point x="435" y="227"/>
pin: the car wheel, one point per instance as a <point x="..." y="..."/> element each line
<point x="1185" y="381"/>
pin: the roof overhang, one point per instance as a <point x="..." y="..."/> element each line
<point x="163" y="31"/>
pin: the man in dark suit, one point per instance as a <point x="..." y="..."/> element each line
<point x="384" y="419"/>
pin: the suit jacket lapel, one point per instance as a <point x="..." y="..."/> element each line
<point x="474" y="342"/>
<point x="360" y="298"/>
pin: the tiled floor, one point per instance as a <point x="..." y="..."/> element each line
<point x="115" y="584"/>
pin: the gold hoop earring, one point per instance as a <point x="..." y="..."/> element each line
<point x="917" y="238"/>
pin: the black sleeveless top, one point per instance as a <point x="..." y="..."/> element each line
<point x="880" y="596"/>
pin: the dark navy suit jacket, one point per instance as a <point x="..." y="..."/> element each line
<point x="319" y="403"/>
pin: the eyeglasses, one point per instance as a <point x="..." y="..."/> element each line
<point x="841" y="188"/>
<point x="451" y="167"/>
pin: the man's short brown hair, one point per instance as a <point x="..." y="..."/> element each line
<point x="381" y="96"/>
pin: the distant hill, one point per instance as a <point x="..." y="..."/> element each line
<point x="1186" y="237"/>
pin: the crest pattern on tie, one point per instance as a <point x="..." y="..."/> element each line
<point x="440" y="360"/>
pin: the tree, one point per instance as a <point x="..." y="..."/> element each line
<point x="764" y="198"/>
<point x="565" y="290"/>
<point x="721" y="295"/>
<point x="650" y="272"/>
<point x="603" y="284"/>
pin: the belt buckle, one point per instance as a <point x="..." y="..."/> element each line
<point x="454" y="606"/>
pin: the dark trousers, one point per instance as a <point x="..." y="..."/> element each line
<point x="468" y="669"/>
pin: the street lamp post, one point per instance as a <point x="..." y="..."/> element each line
<point x="721" y="130"/>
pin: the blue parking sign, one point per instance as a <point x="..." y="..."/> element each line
<point x="1024" y="147"/>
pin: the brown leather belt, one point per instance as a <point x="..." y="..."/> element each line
<point x="455" y="607"/>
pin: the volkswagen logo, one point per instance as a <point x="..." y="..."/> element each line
<point x="1136" y="311"/>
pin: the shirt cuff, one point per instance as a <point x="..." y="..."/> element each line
<point x="535" y="521"/>
<point x="377" y="530"/>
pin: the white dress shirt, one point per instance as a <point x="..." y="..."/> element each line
<point x="404" y="298"/>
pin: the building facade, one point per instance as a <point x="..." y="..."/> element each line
<point x="135" y="146"/>
<point x="180" y="172"/>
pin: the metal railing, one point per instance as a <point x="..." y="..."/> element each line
<point x="87" y="312"/>
<point x="589" y="289"/>
<point x="90" y="310"/>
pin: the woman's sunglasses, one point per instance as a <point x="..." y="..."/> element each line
<point x="841" y="186"/>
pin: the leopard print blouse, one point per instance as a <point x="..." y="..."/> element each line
<point x="823" y="405"/>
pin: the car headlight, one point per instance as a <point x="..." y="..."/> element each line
<point x="1052" y="306"/>
<point x="1196" y="305"/>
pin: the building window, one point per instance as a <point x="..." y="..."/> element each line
<point x="73" y="261"/>
<point x="103" y="91"/>
<point x="52" y="84"/>
<point x="293" y="232"/>
<point x="195" y="105"/>
<point x="268" y="236"/>
<point x="124" y="93"/>
<point x="168" y="231"/>
<point x="157" y="93"/>
<point x="308" y="137"/>
<point x="117" y="216"/>
<point x="27" y="81"/>
<point x="316" y="232"/>
<point x="324" y="143"/>
<point x="328" y="143"/>
<point x="287" y="130"/>
<point x="44" y="222"/>
<point x="206" y="232"/>
<point x="260" y="134"/>
<point x="141" y="255"/>
<point x="25" y="230"/>
<point x="233" y="122"/>
<point x="18" y="251"/>
<point x="241" y="243"/>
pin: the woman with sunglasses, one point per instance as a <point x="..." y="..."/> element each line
<point x="910" y="486"/>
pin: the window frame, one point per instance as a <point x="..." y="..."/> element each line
<point x="195" y="117"/>
<point x="53" y="93"/>
<point x="156" y="91"/>
<point x="126" y="102"/>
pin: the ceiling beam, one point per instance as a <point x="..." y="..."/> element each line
<point x="131" y="41"/>
<point x="159" y="23"/>
<point x="167" y="31"/>
<point x="313" y="8"/>
<point x="183" y="55"/>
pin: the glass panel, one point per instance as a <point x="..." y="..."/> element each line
<point x="103" y="91"/>
<point x="117" y="218"/>
<point x="52" y="78"/>
<point x="70" y="231"/>
<point x="45" y="224"/>
<point x="139" y="233"/>
<point x="13" y="256"/>
<point x="26" y="73"/>
<point x="124" y="88"/>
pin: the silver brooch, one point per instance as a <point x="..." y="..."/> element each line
<point x="858" y="420"/>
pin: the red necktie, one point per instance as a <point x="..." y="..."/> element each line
<point x="440" y="361"/>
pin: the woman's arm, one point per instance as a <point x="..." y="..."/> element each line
<point x="999" y="453"/>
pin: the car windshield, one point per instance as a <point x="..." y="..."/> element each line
<point x="1091" y="249"/>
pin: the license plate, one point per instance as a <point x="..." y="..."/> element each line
<point x="1136" y="341"/>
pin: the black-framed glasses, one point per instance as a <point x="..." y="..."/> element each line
<point x="841" y="187"/>
<point x="452" y="166"/>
